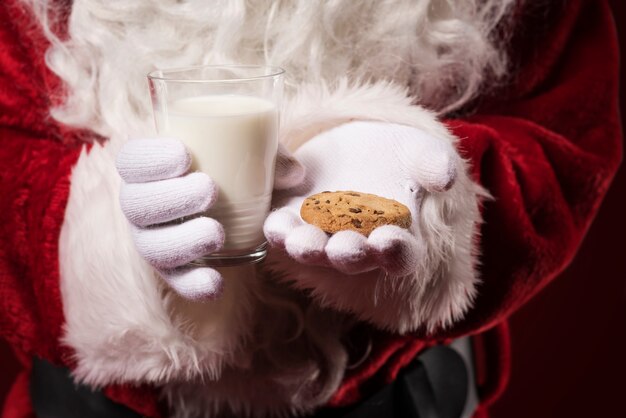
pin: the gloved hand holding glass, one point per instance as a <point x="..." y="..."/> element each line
<point x="227" y="120"/>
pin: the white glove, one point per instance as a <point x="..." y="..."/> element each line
<point x="157" y="190"/>
<point x="394" y="161"/>
<point x="398" y="279"/>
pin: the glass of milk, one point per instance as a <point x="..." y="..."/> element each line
<point x="227" y="116"/>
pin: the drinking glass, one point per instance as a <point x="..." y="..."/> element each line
<point x="227" y="117"/>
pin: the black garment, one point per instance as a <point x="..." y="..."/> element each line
<point x="435" y="385"/>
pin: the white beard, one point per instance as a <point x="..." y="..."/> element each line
<point x="441" y="50"/>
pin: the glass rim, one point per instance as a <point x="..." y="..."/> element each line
<point x="161" y="74"/>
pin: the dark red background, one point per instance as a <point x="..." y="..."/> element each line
<point x="569" y="342"/>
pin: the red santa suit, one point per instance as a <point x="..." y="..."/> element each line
<point x="545" y="144"/>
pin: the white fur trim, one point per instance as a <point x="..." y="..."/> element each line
<point x="289" y="374"/>
<point x="444" y="50"/>
<point x="317" y="108"/>
<point x="122" y="322"/>
<point x="125" y="325"/>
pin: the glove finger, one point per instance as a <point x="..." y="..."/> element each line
<point x="142" y="160"/>
<point x="396" y="249"/>
<point x="348" y="252"/>
<point x="171" y="246"/>
<point x="162" y="201"/>
<point x="306" y="244"/>
<point x="432" y="161"/>
<point x="289" y="172"/>
<point x="195" y="283"/>
<point x="279" y="224"/>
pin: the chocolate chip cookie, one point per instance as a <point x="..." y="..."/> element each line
<point x="356" y="211"/>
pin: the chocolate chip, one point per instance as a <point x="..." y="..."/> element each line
<point x="355" y="210"/>
<point x="328" y="201"/>
<point x="379" y="212"/>
<point x="317" y="202"/>
<point x="353" y="194"/>
<point x="356" y="223"/>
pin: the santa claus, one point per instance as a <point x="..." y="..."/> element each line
<point x="494" y="121"/>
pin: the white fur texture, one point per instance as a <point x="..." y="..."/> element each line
<point x="297" y="362"/>
<point x="442" y="50"/>
<point x="122" y="322"/>
<point x="124" y="325"/>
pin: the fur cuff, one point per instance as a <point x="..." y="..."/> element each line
<point x="122" y="322"/>
<point x="315" y="109"/>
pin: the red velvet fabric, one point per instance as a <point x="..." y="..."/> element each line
<point x="35" y="163"/>
<point x="547" y="150"/>
<point x="546" y="147"/>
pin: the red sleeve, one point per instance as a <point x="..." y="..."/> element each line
<point x="547" y="152"/>
<point x="36" y="159"/>
<point x="35" y="165"/>
<point x="547" y="149"/>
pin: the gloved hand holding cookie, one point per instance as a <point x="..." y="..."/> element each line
<point x="374" y="221"/>
<point x="353" y="217"/>
<point x="376" y="205"/>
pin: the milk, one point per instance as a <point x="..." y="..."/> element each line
<point x="233" y="139"/>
